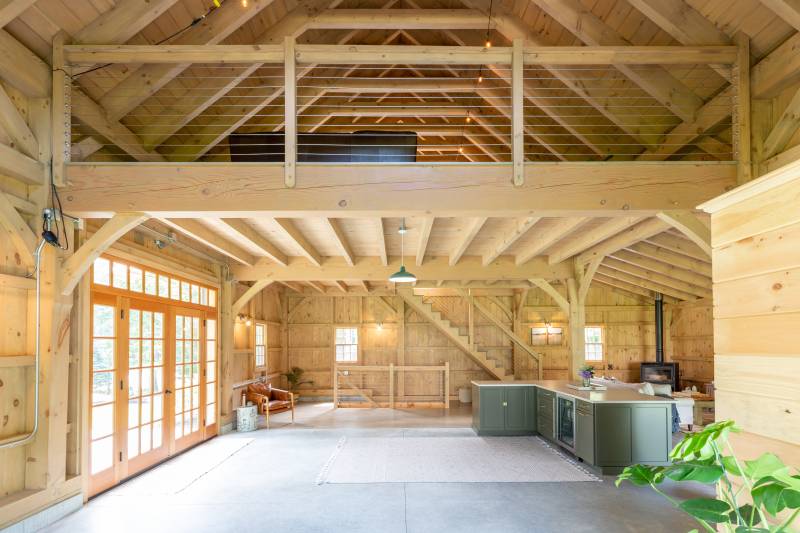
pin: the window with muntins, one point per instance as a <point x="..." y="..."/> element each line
<point x="346" y="345"/>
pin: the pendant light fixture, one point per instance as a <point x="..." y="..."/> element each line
<point x="402" y="275"/>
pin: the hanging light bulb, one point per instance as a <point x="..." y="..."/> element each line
<point x="469" y="119"/>
<point x="402" y="275"/>
<point x="460" y="149"/>
<point x="480" y="78"/>
<point x="488" y="43"/>
<point x="244" y="3"/>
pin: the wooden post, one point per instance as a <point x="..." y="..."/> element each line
<point x="577" y="324"/>
<point x="741" y="110"/>
<point x="447" y="385"/>
<point x="60" y="111"/>
<point x="391" y="385"/>
<point x="471" y="323"/>
<point x="401" y="346"/>
<point x="335" y="385"/>
<point x="517" y="112"/>
<point x="226" y="321"/>
<point x="290" y="118"/>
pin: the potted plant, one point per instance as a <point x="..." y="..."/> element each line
<point x="295" y="379"/>
<point x="767" y="487"/>
<point x="587" y="373"/>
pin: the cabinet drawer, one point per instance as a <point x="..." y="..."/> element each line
<point x="584" y="407"/>
<point x="546" y="427"/>
<point x="543" y="394"/>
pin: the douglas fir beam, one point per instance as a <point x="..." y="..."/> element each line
<point x="371" y="269"/>
<point x="246" y="190"/>
<point x="424" y="236"/>
<point x="20" y="235"/>
<point x="741" y="110"/>
<point x="690" y="225"/>
<point x="251" y="291"/>
<point x="290" y="112"/>
<point x="123" y="21"/>
<point x="522" y="226"/>
<point x="378" y="54"/>
<point x="60" y="119"/>
<point x="517" y="114"/>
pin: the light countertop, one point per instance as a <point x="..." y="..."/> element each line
<point x="614" y="393"/>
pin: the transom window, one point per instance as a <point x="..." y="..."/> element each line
<point x="346" y="345"/>
<point x="125" y="276"/>
<point x="593" y="336"/>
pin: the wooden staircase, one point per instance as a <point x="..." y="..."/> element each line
<point x="493" y="366"/>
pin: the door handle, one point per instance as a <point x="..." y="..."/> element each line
<point x="505" y="404"/>
<point x="167" y="391"/>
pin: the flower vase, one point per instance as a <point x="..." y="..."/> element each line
<point x="587" y="382"/>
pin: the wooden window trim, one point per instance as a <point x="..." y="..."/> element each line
<point x="603" y="343"/>
<point x="359" y="358"/>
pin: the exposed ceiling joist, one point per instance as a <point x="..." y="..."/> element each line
<point x="205" y="236"/>
<point x="638" y="232"/>
<point x="664" y="255"/>
<point x="300" y="242"/>
<point x="341" y="240"/>
<point x="470" y="232"/>
<point x="590" y="237"/>
<point x="557" y="231"/>
<point x="469" y="268"/>
<point x="656" y="277"/>
<point x="522" y="226"/>
<point x="660" y="266"/>
<point x="679" y="245"/>
<point x="256" y="239"/>
<point x="424" y="237"/>
<point x="380" y="232"/>
<point x="645" y="283"/>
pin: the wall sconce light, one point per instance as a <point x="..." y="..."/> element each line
<point x="380" y="326"/>
<point x="549" y="327"/>
<point x="244" y="319"/>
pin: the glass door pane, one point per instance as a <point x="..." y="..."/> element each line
<point x="146" y="373"/>
<point x="211" y="372"/>
<point x="103" y="399"/>
<point x="188" y="358"/>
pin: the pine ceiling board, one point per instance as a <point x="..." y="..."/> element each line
<point x="270" y="231"/>
<point x="230" y="235"/>
<point x="257" y="25"/>
<point x="492" y="235"/>
<point x="72" y="16"/>
<point x="317" y="233"/>
<point x="24" y="33"/>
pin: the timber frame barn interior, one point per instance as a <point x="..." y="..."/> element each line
<point x="245" y="176"/>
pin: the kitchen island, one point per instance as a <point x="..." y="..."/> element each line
<point x="607" y="429"/>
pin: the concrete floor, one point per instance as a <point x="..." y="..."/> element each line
<point x="268" y="484"/>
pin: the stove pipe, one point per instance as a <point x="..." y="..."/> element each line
<point x="659" y="308"/>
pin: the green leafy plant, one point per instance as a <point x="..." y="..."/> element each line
<point x="295" y="378"/>
<point x="772" y="487"/>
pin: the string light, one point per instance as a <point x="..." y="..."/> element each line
<point x="489" y="26"/>
<point x="488" y="43"/>
<point x="480" y="78"/>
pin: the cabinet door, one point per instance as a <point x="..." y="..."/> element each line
<point x="492" y="410"/>
<point x="530" y="408"/>
<point x="584" y="436"/>
<point x="614" y="434"/>
<point x="515" y="408"/>
<point x="651" y="433"/>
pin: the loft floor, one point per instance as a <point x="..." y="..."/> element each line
<point x="270" y="484"/>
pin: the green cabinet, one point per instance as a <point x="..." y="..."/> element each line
<point x="628" y="434"/>
<point x="584" y="431"/>
<point x="546" y="408"/>
<point x="504" y="410"/>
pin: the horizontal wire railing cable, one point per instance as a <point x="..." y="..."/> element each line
<point x="457" y="113"/>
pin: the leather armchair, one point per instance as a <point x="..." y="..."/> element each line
<point x="270" y="400"/>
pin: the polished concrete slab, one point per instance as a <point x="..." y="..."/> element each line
<point x="269" y="484"/>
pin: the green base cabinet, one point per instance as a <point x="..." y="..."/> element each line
<point x="626" y="434"/>
<point x="504" y="410"/>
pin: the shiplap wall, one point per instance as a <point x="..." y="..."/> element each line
<point x="756" y="262"/>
